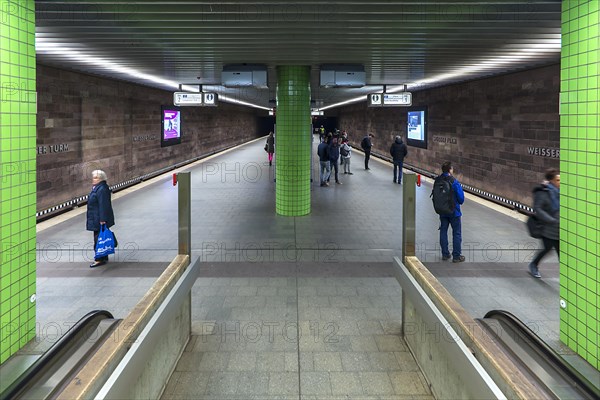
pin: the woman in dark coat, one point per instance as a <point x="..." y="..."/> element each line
<point x="546" y="206"/>
<point x="99" y="210"/>
<point x="270" y="147"/>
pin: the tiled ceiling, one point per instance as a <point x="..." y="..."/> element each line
<point x="421" y="44"/>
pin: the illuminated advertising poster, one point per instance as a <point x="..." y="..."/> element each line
<point x="416" y="128"/>
<point x="171" y="126"/>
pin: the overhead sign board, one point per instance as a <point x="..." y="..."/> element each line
<point x="194" y="99"/>
<point x="375" y="99"/>
<point x="187" y="99"/>
<point x="397" y="99"/>
<point x="209" y="99"/>
<point x="403" y="99"/>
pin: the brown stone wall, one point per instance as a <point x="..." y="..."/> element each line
<point x="485" y="127"/>
<point x="86" y="122"/>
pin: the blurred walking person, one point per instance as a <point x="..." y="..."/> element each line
<point x="546" y="206"/>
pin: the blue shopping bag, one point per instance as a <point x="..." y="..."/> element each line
<point x="106" y="242"/>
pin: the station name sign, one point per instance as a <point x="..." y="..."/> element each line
<point x="544" y="152"/>
<point x="195" y="99"/>
<point x="403" y="99"/>
<point x="53" y="148"/>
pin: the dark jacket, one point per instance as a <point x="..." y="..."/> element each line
<point x="271" y="144"/>
<point x="546" y="212"/>
<point x="366" y="144"/>
<point x="323" y="151"/>
<point x="99" y="207"/>
<point x="459" y="197"/>
<point x="334" y="151"/>
<point x="398" y="150"/>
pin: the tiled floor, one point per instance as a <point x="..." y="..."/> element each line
<point x="234" y="222"/>
<point x="297" y="338"/>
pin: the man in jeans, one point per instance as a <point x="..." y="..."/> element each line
<point x="334" y="155"/>
<point x="398" y="151"/>
<point x="452" y="219"/>
<point x="323" y="153"/>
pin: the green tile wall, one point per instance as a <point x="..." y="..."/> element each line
<point x="580" y="188"/>
<point x="17" y="175"/>
<point x="293" y="141"/>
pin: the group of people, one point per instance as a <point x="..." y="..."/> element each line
<point x="333" y="148"/>
<point x="546" y="196"/>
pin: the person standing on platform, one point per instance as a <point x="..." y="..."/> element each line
<point x="398" y="151"/>
<point x="346" y="153"/>
<point x="366" y="145"/>
<point x="270" y="147"/>
<point x="546" y="206"/>
<point x="99" y="210"/>
<point x="323" y="153"/>
<point x="452" y="217"/>
<point x="334" y="155"/>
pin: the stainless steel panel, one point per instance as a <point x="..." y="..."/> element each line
<point x="409" y="190"/>
<point x="184" y="213"/>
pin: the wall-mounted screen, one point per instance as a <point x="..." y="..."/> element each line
<point x="416" y="129"/>
<point x="171" y="126"/>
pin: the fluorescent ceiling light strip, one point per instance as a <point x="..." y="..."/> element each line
<point x="42" y="46"/>
<point x="522" y="54"/>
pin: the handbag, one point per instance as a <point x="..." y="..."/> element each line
<point x="106" y="242"/>
<point x="267" y="147"/>
<point x="534" y="226"/>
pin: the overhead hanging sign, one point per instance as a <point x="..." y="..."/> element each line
<point x="402" y="99"/>
<point x="194" y="99"/>
<point x="375" y="99"/>
<point x="209" y="99"/>
<point x="397" y="99"/>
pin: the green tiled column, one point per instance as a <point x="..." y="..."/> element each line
<point x="17" y="175"/>
<point x="293" y="141"/>
<point x="580" y="183"/>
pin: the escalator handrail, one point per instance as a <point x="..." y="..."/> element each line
<point x="20" y="383"/>
<point x="554" y="358"/>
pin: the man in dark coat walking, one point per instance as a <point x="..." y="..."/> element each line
<point x="546" y="206"/>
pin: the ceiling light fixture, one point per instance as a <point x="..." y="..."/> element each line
<point x="523" y="54"/>
<point x="43" y="46"/>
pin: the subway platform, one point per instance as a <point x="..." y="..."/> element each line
<point x="291" y="307"/>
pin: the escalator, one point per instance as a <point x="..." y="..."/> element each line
<point x="46" y="377"/>
<point x="542" y="364"/>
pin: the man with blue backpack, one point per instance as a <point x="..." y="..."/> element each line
<point x="447" y="195"/>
